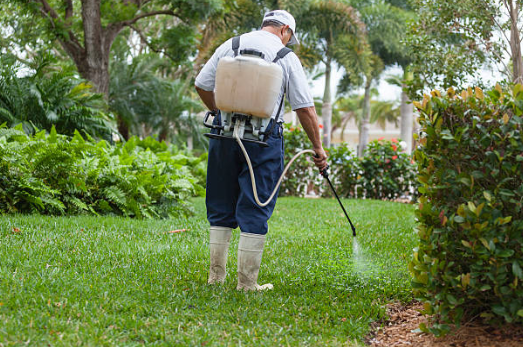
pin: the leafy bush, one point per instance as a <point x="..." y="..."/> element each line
<point x="386" y="173"/>
<point x="469" y="261"/>
<point x="48" y="98"/>
<point x="383" y="173"/>
<point x="55" y="174"/>
<point x="301" y="173"/>
<point x="344" y="171"/>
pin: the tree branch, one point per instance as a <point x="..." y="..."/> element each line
<point x="48" y="9"/>
<point x="49" y="12"/>
<point x="506" y="5"/>
<point x="148" y="14"/>
<point x="497" y="55"/>
<point x="148" y="44"/>
<point x="68" y="9"/>
<point x="501" y="29"/>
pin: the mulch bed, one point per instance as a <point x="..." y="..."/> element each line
<point x="400" y="331"/>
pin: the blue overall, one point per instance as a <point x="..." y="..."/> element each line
<point x="230" y="200"/>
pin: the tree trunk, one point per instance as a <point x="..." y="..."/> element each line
<point x="364" y="132"/>
<point x="515" y="43"/>
<point x="123" y="128"/>
<point x="326" y="109"/>
<point x="190" y="145"/>
<point x="95" y="65"/>
<point x="91" y="59"/>
<point x="407" y="112"/>
<point x="164" y="132"/>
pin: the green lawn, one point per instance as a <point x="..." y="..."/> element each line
<point x="113" y="281"/>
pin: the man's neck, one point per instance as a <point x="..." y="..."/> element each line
<point x="273" y="31"/>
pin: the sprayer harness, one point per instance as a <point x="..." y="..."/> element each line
<point x="239" y="126"/>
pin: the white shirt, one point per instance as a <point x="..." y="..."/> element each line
<point x="294" y="80"/>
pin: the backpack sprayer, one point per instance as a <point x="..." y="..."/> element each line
<point x="248" y="108"/>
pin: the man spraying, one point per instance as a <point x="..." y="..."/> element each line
<point x="230" y="200"/>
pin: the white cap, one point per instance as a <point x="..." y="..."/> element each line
<point x="284" y="18"/>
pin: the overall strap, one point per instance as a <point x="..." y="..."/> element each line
<point x="279" y="108"/>
<point x="275" y="120"/>
<point x="282" y="53"/>
<point x="236" y="45"/>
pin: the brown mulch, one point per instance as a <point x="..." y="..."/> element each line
<point x="401" y="330"/>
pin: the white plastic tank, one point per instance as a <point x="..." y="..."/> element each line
<point x="248" y="84"/>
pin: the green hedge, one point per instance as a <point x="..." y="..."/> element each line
<point x="61" y="175"/>
<point x="469" y="261"/>
<point x="383" y="173"/>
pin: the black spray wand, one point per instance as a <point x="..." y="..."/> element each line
<point x="325" y="174"/>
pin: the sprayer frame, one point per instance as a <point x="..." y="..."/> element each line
<point x="236" y="117"/>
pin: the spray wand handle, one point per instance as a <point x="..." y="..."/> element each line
<point x="324" y="172"/>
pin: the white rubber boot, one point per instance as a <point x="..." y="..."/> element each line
<point x="219" y="245"/>
<point x="250" y="252"/>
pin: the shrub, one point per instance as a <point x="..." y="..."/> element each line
<point x="469" y="260"/>
<point x="386" y="173"/>
<point x="301" y="173"/>
<point x="383" y="173"/>
<point x="55" y="174"/>
<point x="344" y="171"/>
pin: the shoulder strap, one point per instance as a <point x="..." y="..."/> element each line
<point x="282" y="53"/>
<point x="236" y="45"/>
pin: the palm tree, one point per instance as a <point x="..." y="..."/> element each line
<point x="129" y="89"/>
<point x="345" y="109"/>
<point x="407" y="110"/>
<point x="385" y="24"/>
<point x="168" y="110"/>
<point x="153" y="105"/>
<point x="350" y="107"/>
<point x="334" y="31"/>
<point x="383" y="112"/>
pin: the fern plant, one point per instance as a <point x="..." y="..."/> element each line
<point x="57" y="174"/>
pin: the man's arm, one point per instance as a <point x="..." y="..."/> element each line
<point x="207" y="98"/>
<point x="309" y="121"/>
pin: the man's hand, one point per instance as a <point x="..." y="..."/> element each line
<point x="320" y="159"/>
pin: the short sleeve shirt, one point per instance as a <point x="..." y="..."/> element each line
<point x="294" y="80"/>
